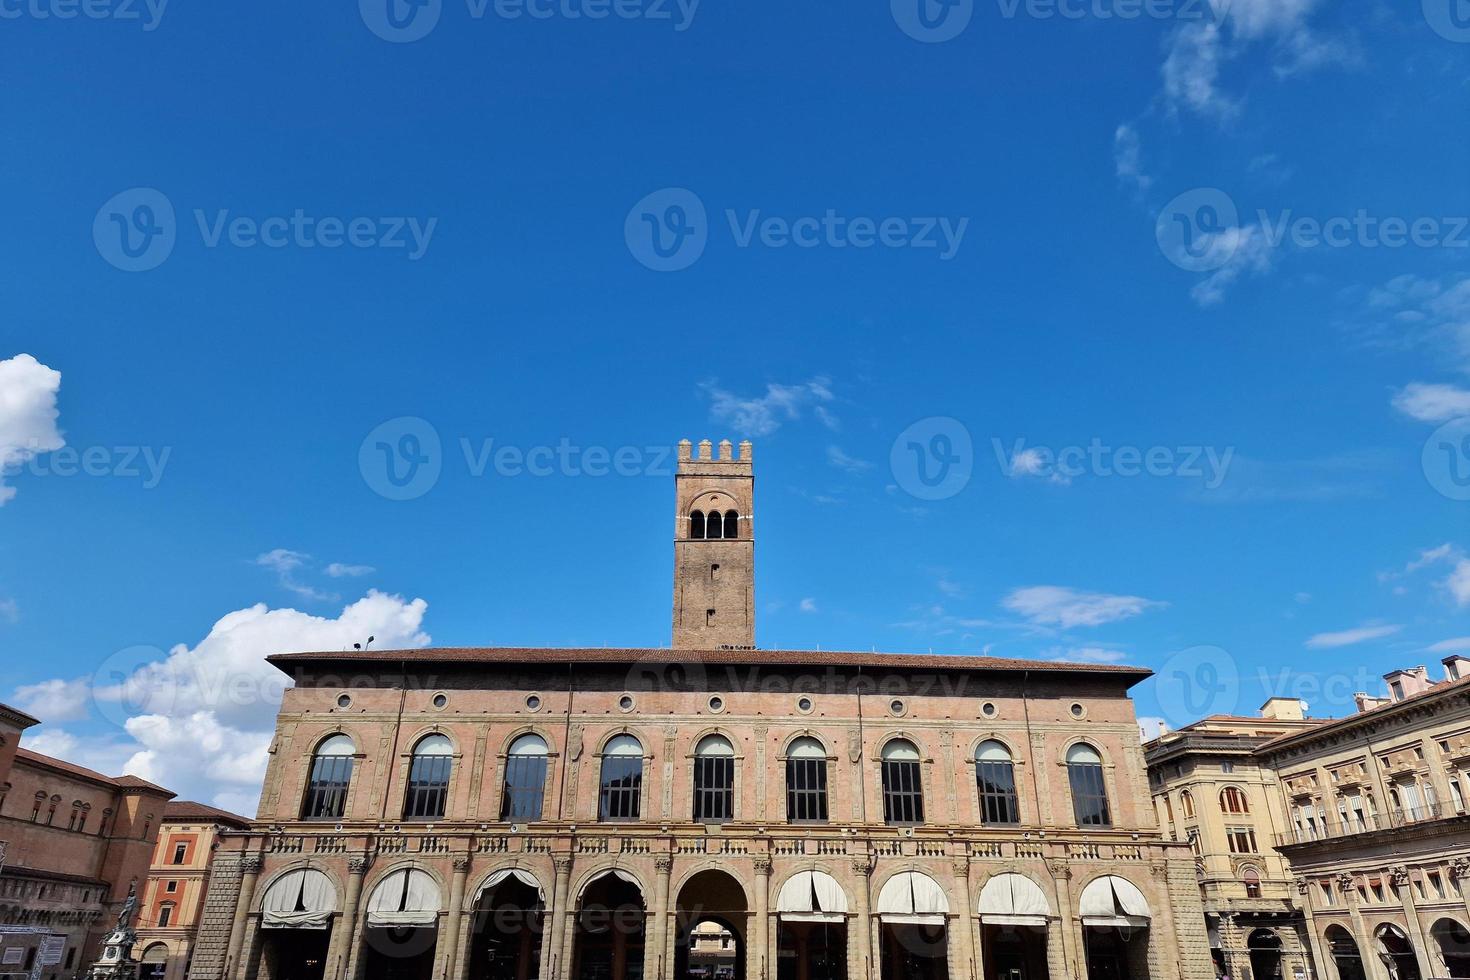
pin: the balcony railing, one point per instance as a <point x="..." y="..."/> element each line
<point x="1334" y="829"/>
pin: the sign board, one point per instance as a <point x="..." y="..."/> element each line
<point x="51" y="949"/>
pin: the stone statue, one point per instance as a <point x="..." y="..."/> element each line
<point x="125" y="914"/>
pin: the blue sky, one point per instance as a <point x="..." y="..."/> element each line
<point x="1036" y="237"/>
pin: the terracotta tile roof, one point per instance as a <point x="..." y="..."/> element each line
<point x="82" y="772"/>
<point x="772" y="658"/>
<point x="191" y="810"/>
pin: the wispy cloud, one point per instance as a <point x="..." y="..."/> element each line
<point x="1348" y="637"/>
<point x="1128" y="159"/>
<point x="1432" y="402"/>
<point x="338" y="570"/>
<point x="808" y="605"/>
<point x="1089" y="654"/>
<point x="1056" y="605"/>
<point x="842" y="461"/>
<point x="1248" y="251"/>
<point x="760" y="415"/>
<point x="1458" y="644"/>
<point x="1343" y="476"/>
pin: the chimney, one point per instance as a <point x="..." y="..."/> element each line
<point x="1283" y="709"/>
<point x="1366" y="702"/>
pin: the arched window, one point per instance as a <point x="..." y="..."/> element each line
<point x="1232" y="800"/>
<point x="1252" y="879"/>
<point x="714" y="780"/>
<point x="995" y="775"/>
<point x="903" y="788"/>
<point x="806" y="781"/>
<point x="696" y="524"/>
<point x="1089" y="791"/>
<point x="428" y="778"/>
<point x="525" y="779"/>
<point x="622" y="779"/>
<point x="732" y="524"/>
<point x="326" y="785"/>
<point x="715" y="526"/>
<point x="1186" y="803"/>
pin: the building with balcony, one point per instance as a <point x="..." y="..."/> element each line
<point x="613" y="814"/>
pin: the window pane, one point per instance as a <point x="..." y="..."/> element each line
<point x="525" y="787"/>
<point x="622" y="784"/>
<point x="714" y="788"/>
<point x="997" y="782"/>
<point x="903" y="795"/>
<point x="428" y="786"/>
<point x="806" y="790"/>
<point x="1089" y="797"/>
<point x="326" y="790"/>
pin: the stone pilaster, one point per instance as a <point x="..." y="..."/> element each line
<point x="758" y="945"/>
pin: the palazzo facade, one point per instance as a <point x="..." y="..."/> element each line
<point x="711" y="811"/>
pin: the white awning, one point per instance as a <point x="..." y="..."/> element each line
<point x="1113" y="901"/>
<point x="912" y="897"/>
<point x="1013" y="900"/>
<point x="299" y="899"/>
<point x="157" y="953"/>
<point x="406" y="897"/>
<point x="812" y="896"/>
<point x="519" y="874"/>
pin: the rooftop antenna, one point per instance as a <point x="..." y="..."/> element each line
<point x="364" y="646"/>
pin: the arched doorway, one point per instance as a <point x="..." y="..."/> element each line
<point x="1453" y="941"/>
<point x="711" y="918"/>
<point x="914" y="941"/>
<point x="610" y="930"/>
<point x="154" y="963"/>
<point x="1264" y="947"/>
<point x="402" y="927"/>
<point x="1345" y="954"/>
<point x="811" y="937"/>
<point x="295" y="919"/>
<point x="1115" y="927"/>
<point x="1013" y="914"/>
<point x="507" y="929"/>
<point x="1397" y="954"/>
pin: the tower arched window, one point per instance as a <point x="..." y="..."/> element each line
<point x="1089" y="790"/>
<point x="715" y="526"/>
<point x="903" y="786"/>
<point x="806" y="781"/>
<point x="330" y="775"/>
<point x="428" y="778"/>
<point x="995" y="776"/>
<point x="732" y="524"/>
<point x="714" y="780"/>
<point x="696" y="524"/>
<point x="622" y="779"/>
<point x="525" y="779"/>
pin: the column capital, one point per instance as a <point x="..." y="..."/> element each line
<point x="1399" y="875"/>
<point x="462" y="864"/>
<point x="358" y="864"/>
<point x="763" y="865"/>
<point x="1059" y="869"/>
<point x="862" y="866"/>
<point x="562" y="863"/>
<point x="961" y="867"/>
<point x="1460" y="868"/>
<point x="251" y="864"/>
<point x="663" y="863"/>
<point x="1345" y="881"/>
<point x="1301" y="886"/>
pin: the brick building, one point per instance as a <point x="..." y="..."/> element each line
<point x="76" y="844"/>
<point x="173" y="898"/>
<point x="550" y="814"/>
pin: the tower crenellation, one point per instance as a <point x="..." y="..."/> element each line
<point x="714" y="547"/>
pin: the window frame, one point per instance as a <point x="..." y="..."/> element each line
<point x="523" y="787"/>
<point x="620" y="803"/>
<point x="903" y="785"/>
<point x="1089" y="785"/>
<point x="807" y="784"/>
<point x="996" y="798"/>
<point x="426" y="793"/>
<point x="328" y="778"/>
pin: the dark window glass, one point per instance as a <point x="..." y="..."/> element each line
<point x="714" y="526"/>
<point x="622" y="785"/>
<point x="806" y="790"/>
<point x="428" y="779"/>
<point x="696" y="524"/>
<point x="1089" y="792"/>
<point x="714" y="789"/>
<point x="326" y="791"/>
<point x="732" y="524"/>
<point x="997" y="783"/>
<point x="903" y="792"/>
<point x="525" y="786"/>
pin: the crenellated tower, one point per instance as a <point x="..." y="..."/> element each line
<point x="714" y="548"/>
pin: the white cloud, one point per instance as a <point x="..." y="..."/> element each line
<point x="338" y="570"/>
<point x="1151" y="727"/>
<point x="1458" y="644"/>
<point x="1055" y="605"/>
<point x="1034" y="462"/>
<point x="1432" y="402"/>
<point x="28" y="414"/>
<point x="1302" y="598"/>
<point x="1425" y="558"/>
<point x="1128" y="158"/>
<point x="842" y="461"/>
<point x="1192" y="72"/>
<point x="808" y="605"/>
<point x="9" y="610"/>
<point x="1458" y="583"/>
<point x="1093" y="655"/>
<point x="1247" y="250"/>
<point x="764" y="414"/>
<point x="1343" y="638"/>
<point x="199" y="719"/>
<point x="55" y="700"/>
<point x="286" y="563"/>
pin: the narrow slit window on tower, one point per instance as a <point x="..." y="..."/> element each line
<point x="714" y="572"/>
<point x="709" y="617"/>
<point x="696" y="524"/>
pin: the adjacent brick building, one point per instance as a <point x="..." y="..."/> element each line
<point x="549" y="814"/>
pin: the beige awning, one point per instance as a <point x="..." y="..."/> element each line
<point x="519" y="874"/>
<point x="812" y="896"/>
<point x="1114" y="901"/>
<point x="1013" y="900"/>
<point x="300" y="899"/>
<point x="912" y="897"/>
<point x="406" y="897"/>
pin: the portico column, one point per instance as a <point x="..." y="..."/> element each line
<point x="860" y="945"/>
<point x="975" y="926"/>
<point x="1367" y="947"/>
<point x="454" y="915"/>
<point x="250" y="866"/>
<point x="655" y="966"/>
<point x="758" y="944"/>
<point x="1319" y="957"/>
<point x="344" y="936"/>
<point x="1400" y="877"/>
<point x="1066" y="954"/>
<point x="553" y="939"/>
<point x="961" y="938"/>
